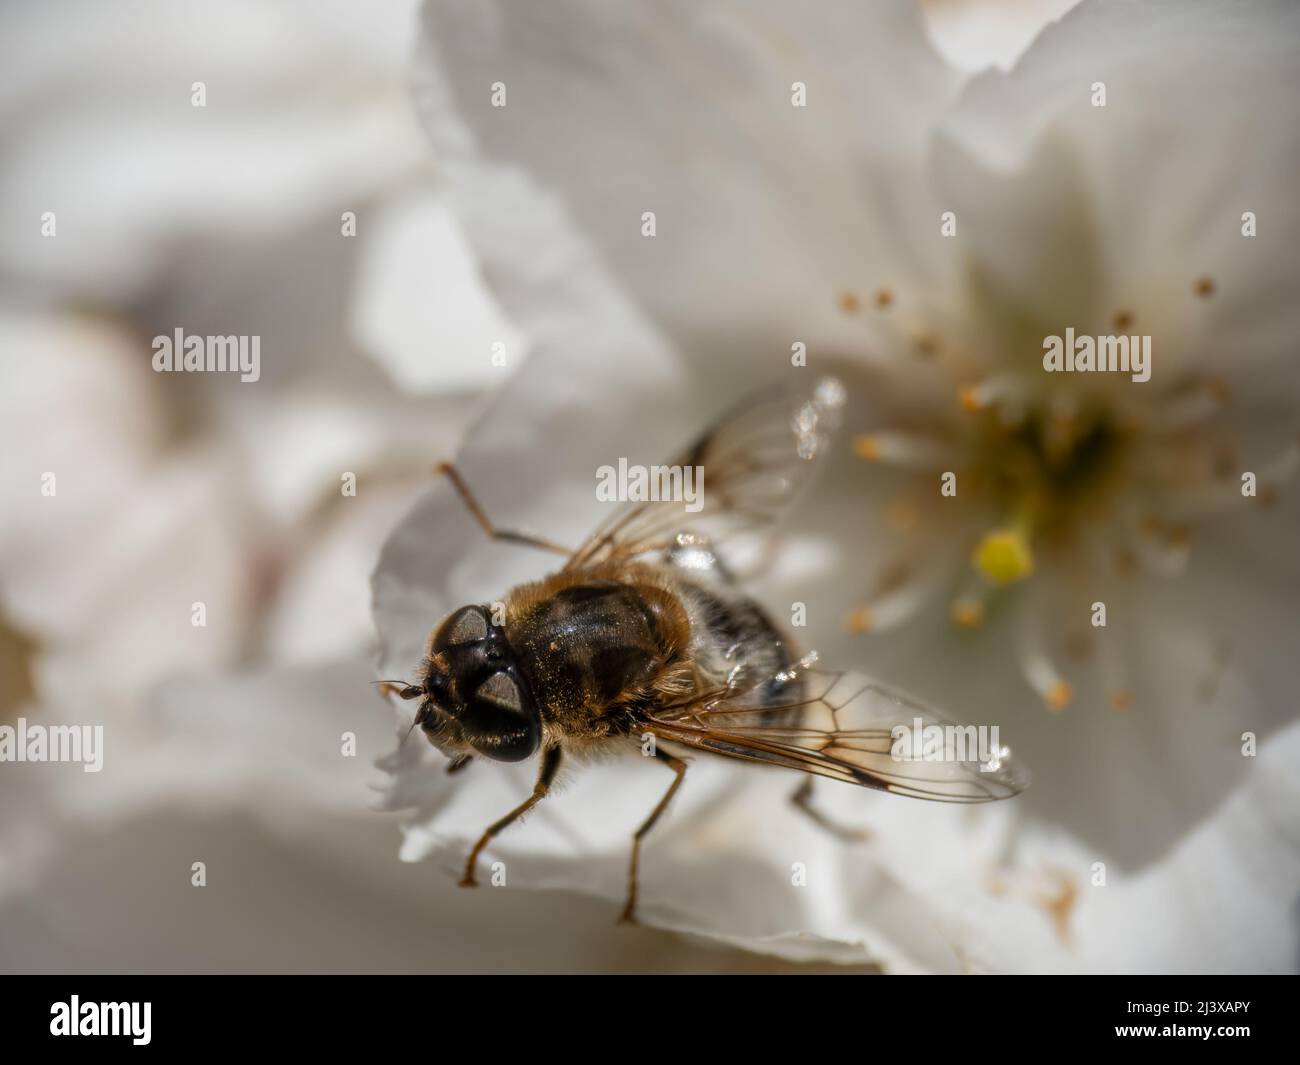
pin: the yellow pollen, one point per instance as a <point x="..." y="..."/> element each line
<point x="969" y="397"/>
<point x="867" y="447"/>
<point x="860" y="620"/>
<point x="1120" y="700"/>
<point x="1058" y="696"/>
<point x="968" y="613"/>
<point x="1204" y="287"/>
<point x="1004" y="556"/>
<point x="849" y="302"/>
<point x="884" y="298"/>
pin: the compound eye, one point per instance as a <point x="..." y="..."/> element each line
<point x="467" y="625"/>
<point x="500" y="721"/>
<point x="500" y="690"/>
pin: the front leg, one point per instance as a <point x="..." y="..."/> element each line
<point x="545" y="775"/>
<point x="485" y="523"/>
<point x="678" y="767"/>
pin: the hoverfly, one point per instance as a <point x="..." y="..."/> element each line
<point x="642" y="632"/>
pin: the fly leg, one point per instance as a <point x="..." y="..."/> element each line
<point x="679" y="767"/>
<point x="485" y="523"/>
<point x="545" y="775"/>
<point x="802" y="798"/>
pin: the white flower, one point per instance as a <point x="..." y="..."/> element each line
<point x="777" y="224"/>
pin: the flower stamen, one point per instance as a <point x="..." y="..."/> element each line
<point x="968" y="613"/>
<point x="1039" y="671"/>
<point x="991" y="390"/>
<point x="901" y="449"/>
<point x="1214" y="497"/>
<point x="902" y="595"/>
<point x="1043" y="676"/>
<point x="969" y="609"/>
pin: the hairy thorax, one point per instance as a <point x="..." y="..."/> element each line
<point x="604" y="647"/>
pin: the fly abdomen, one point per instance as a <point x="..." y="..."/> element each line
<point x="733" y="642"/>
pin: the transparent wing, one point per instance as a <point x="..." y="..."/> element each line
<point x="754" y="460"/>
<point x="848" y="727"/>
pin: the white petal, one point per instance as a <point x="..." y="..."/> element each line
<point x="420" y="308"/>
<point x="1223" y="898"/>
<point x="763" y="211"/>
<point x="973" y="34"/>
<point x="1148" y="191"/>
